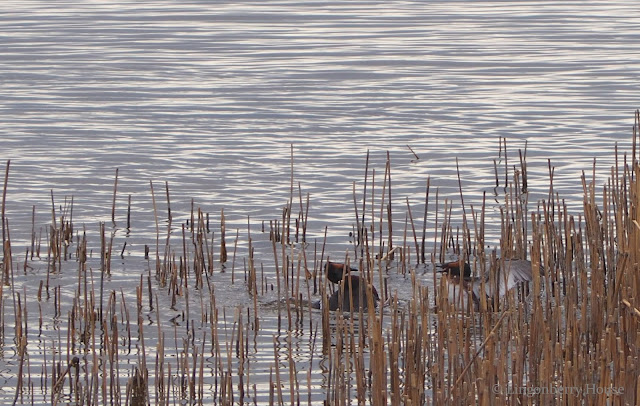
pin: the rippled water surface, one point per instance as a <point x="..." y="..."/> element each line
<point x="218" y="99"/>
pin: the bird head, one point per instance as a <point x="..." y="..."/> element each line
<point x="335" y="271"/>
<point x="453" y="269"/>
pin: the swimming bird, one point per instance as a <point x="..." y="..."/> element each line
<point x="354" y="295"/>
<point x="336" y="270"/>
<point x="464" y="289"/>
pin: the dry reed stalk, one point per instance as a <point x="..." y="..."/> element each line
<point x="278" y="382"/>
<point x="581" y="320"/>
<point x="445" y="233"/>
<point x="129" y="213"/>
<point x="233" y="259"/>
<point x="506" y="163"/>
<point x="169" y="216"/>
<point x="33" y="231"/>
<point x="155" y="216"/>
<point x="223" y="243"/>
<point x="113" y="205"/>
<point x="424" y="221"/>
<point x="523" y="168"/>
<point x="57" y="387"/>
<point x="296" y="294"/>
<point x="364" y="202"/>
<point x="359" y="226"/>
<point x="240" y="353"/>
<point x="5" y="244"/>
<point x="305" y="215"/>
<point x="192" y="221"/>
<point x="251" y="281"/>
<point x="382" y="207"/>
<point x="102" y="266"/>
<point x="277" y="269"/>
<point x="326" y="329"/>
<point x="377" y="359"/>
<point x="413" y="229"/>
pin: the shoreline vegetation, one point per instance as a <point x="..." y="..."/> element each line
<point x="573" y="340"/>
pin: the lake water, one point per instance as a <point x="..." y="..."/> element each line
<point x="219" y="98"/>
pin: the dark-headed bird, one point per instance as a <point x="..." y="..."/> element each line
<point x="464" y="289"/>
<point x="354" y="295"/>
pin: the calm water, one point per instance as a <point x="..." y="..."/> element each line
<point x="211" y="96"/>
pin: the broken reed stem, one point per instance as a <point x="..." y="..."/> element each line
<point x="484" y="343"/>
<point x="413" y="229"/>
<point x="417" y="158"/>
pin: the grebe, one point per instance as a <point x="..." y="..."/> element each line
<point x="355" y="291"/>
<point x="463" y="288"/>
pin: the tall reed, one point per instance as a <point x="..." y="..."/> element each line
<point x="570" y="337"/>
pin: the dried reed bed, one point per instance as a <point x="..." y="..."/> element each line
<point x="572" y="340"/>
